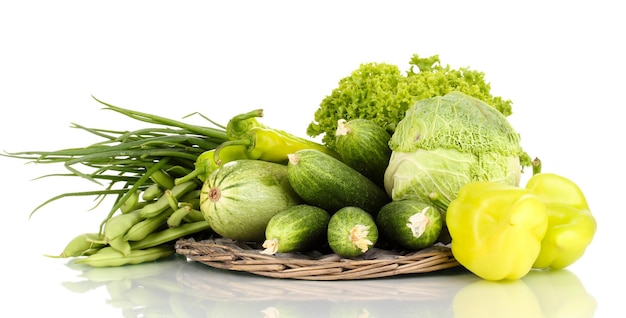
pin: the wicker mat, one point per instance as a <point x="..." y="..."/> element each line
<point x="240" y="256"/>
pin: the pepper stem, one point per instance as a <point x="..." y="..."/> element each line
<point x="536" y="166"/>
<point x="240" y="125"/>
<point x="190" y="176"/>
<point x="251" y="114"/>
<point x="242" y="142"/>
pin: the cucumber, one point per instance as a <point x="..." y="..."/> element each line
<point x="296" y="229"/>
<point x="411" y="224"/>
<point x="351" y="232"/>
<point x="324" y="181"/>
<point x="239" y="198"/>
<point x="364" y="146"/>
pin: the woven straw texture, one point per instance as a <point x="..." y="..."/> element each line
<point x="239" y="256"/>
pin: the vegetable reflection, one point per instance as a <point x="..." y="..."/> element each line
<point x="176" y="288"/>
<point x="557" y="293"/>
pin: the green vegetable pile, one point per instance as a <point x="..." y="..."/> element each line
<point x="156" y="174"/>
<point x="406" y="161"/>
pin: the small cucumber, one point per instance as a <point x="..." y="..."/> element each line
<point x="411" y="224"/>
<point x="324" y="181"/>
<point x="351" y="232"/>
<point x="364" y="146"/>
<point x="296" y="229"/>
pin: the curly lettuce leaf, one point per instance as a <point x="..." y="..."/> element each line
<point x="380" y="92"/>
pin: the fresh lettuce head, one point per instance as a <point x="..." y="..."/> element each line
<point x="445" y="142"/>
<point x="382" y="93"/>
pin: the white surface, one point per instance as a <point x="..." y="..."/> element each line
<point x="562" y="63"/>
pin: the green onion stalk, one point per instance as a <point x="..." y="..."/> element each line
<point x="127" y="162"/>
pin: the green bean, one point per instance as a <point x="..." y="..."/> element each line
<point x="176" y="218"/>
<point x="171" y="199"/>
<point x="91" y="251"/>
<point x="81" y="244"/>
<point x="194" y="203"/>
<point x="184" y="188"/>
<point x="153" y="192"/>
<point x="178" y="171"/>
<point x="119" y="224"/>
<point x="121" y="245"/>
<point x="142" y="229"/>
<point x="155" y="208"/>
<point x="192" y="195"/>
<point x="131" y="274"/>
<point x="170" y="234"/>
<point x="130" y="203"/>
<point x="164" y="180"/>
<point x="134" y="188"/>
<point x="109" y="257"/>
<point x="194" y="215"/>
<point x="163" y="202"/>
<point x="139" y="205"/>
<point x="107" y="250"/>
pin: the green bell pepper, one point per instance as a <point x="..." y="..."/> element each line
<point x="571" y="226"/>
<point x="496" y="229"/>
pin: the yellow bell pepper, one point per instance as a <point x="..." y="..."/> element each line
<point x="496" y="229"/>
<point x="571" y="226"/>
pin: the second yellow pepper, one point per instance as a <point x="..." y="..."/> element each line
<point x="571" y="226"/>
<point x="496" y="229"/>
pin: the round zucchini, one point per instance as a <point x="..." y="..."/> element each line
<point x="351" y="232"/>
<point x="296" y="229"/>
<point x="240" y="198"/>
<point x="364" y="146"/>
<point x="411" y="224"/>
<point x="324" y="181"/>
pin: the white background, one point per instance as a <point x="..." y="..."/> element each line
<point x="561" y="62"/>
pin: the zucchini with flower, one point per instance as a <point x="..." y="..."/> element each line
<point x="352" y="232"/>
<point x="296" y="229"/>
<point x="410" y="224"/>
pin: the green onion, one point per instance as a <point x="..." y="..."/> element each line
<point x="123" y="161"/>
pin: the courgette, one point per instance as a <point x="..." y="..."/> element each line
<point x="364" y="146"/>
<point x="324" y="181"/>
<point x="351" y="232"/>
<point x="296" y="229"/>
<point x="411" y="224"/>
<point x="240" y="198"/>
